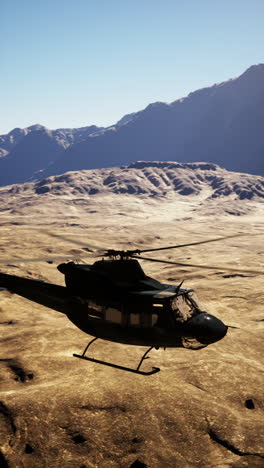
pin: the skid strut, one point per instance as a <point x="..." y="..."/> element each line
<point x="116" y="366"/>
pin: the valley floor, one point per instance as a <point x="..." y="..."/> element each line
<point x="204" y="409"/>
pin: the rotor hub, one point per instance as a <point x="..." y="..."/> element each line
<point x="120" y="254"/>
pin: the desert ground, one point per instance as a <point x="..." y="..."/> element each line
<point x="204" y="409"/>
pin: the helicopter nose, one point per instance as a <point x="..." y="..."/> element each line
<point x="207" y="328"/>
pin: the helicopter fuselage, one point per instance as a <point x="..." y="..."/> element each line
<point x="115" y="300"/>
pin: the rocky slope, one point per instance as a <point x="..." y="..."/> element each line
<point x="180" y="190"/>
<point x="155" y="179"/>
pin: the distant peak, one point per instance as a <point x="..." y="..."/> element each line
<point x="16" y="131"/>
<point x="255" y="71"/>
<point x="255" y="68"/>
<point x="156" y="105"/>
<point x="35" y="127"/>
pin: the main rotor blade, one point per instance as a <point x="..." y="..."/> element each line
<point x="41" y="259"/>
<point x="219" y="267"/>
<point x="89" y="247"/>
<point x="193" y="243"/>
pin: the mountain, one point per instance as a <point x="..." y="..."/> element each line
<point x="27" y="151"/>
<point x="222" y="124"/>
<point x="7" y="142"/>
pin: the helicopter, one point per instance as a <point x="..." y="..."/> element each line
<point x="113" y="299"/>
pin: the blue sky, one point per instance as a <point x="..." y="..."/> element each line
<point x="73" y="63"/>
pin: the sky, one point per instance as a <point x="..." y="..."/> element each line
<point x="74" y="63"/>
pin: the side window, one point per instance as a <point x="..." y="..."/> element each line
<point x="113" y="315"/>
<point x="157" y="314"/>
<point x="134" y="319"/>
<point x="154" y="319"/>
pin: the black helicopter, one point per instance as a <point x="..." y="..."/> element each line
<point x="113" y="299"/>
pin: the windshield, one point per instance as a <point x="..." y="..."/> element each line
<point x="185" y="306"/>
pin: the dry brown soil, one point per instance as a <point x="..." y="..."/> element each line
<point x="204" y="409"/>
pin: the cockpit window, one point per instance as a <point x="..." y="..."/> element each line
<point x="185" y="306"/>
<point x="191" y="296"/>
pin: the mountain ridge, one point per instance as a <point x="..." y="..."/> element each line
<point x="222" y="124"/>
<point x="27" y="151"/>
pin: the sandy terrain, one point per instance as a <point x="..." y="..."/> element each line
<point x="204" y="409"/>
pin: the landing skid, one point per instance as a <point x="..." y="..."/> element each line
<point x="116" y="366"/>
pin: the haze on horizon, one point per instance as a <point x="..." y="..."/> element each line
<point x="89" y="63"/>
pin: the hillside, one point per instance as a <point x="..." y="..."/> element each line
<point x="203" y="188"/>
<point x="153" y="178"/>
